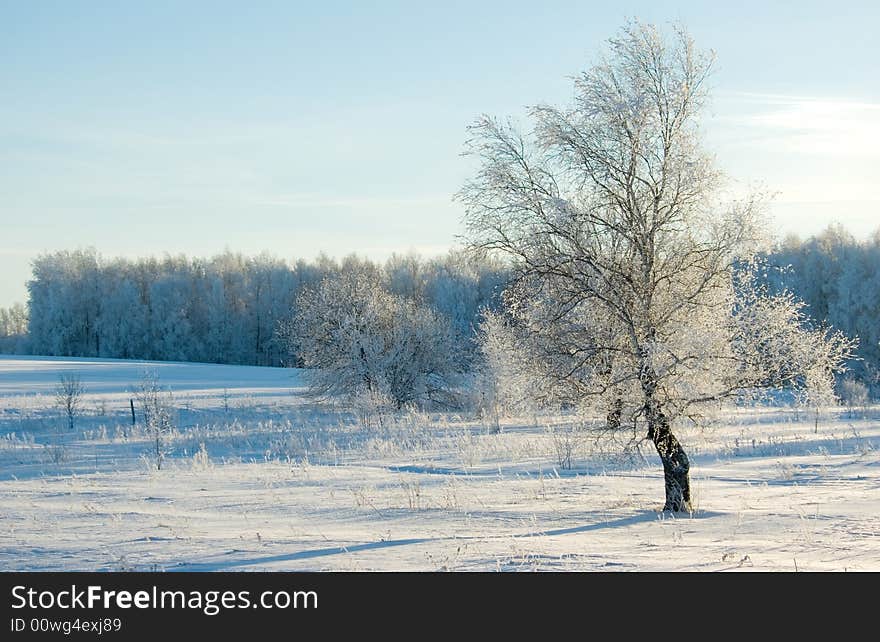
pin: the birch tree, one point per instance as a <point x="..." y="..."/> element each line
<point x="634" y="286"/>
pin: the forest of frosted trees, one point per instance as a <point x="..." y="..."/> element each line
<point x="838" y="277"/>
<point x="228" y="308"/>
<point x="13" y="329"/>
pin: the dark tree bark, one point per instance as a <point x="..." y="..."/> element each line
<point x="676" y="466"/>
<point x="612" y="419"/>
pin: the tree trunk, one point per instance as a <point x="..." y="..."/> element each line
<point x="612" y="419"/>
<point x="675" y="461"/>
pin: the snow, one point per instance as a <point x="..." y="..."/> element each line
<point x="260" y="477"/>
<point x="29" y="375"/>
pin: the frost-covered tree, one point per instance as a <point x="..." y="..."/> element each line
<point x="462" y="288"/>
<point x="506" y="376"/>
<point x="65" y="304"/>
<point x="69" y="396"/>
<point x="838" y="277"/>
<point x="361" y="341"/>
<point x="634" y="287"/>
<point x="121" y="324"/>
<point x="158" y="413"/>
<point x="13" y="329"/>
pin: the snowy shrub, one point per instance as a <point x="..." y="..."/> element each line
<point x="201" y="460"/>
<point x="567" y="443"/>
<point x="364" y="343"/>
<point x="156" y="405"/>
<point x="69" y="396"/>
<point x="505" y="379"/>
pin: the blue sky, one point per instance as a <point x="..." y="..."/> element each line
<point x="144" y="128"/>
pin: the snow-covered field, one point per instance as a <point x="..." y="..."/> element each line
<point x="259" y="477"/>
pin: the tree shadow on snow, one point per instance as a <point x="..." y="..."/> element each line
<point x="644" y="516"/>
<point x="640" y="517"/>
<point x="299" y="555"/>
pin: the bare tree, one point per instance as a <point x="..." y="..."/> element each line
<point x="158" y="414"/>
<point x="635" y="288"/>
<point x="68" y="396"/>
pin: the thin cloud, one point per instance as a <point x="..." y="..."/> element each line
<point x="805" y="125"/>
<point x="317" y="201"/>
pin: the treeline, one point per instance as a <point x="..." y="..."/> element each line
<point x="838" y="277"/>
<point x="226" y="309"/>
